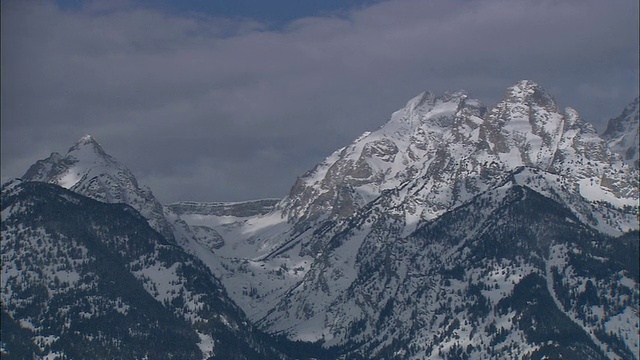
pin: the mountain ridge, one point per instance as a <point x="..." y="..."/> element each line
<point x="525" y="129"/>
<point x="88" y="279"/>
<point x="562" y="156"/>
<point x="437" y="204"/>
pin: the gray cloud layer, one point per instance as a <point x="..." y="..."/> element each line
<point x="203" y="108"/>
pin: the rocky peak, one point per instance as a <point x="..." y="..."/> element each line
<point x="621" y="133"/>
<point x="524" y="99"/>
<point x="426" y="111"/>
<point x="527" y="91"/>
<point x="88" y="144"/>
<point x="88" y="170"/>
<point x="442" y="171"/>
<point x="443" y="150"/>
<point x="85" y="140"/>
<point x="85" y="156"/>
<point x="527" y="126"/>
<point x="379" y="160"/>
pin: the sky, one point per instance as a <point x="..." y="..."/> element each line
<point x="229" y="100"/>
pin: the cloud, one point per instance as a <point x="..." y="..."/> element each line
<point x="206" y="108"/>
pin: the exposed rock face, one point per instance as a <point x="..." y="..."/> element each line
<point x="442" y="151"/>
<point x="621" y="133"/>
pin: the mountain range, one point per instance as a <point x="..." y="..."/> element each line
<point x="455" y="230"/>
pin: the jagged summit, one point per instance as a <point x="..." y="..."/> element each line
<point x="86" y="157"/>
<point x="630" y="113"/>
<point x="526" y="89"/>
<point x="88" y="170"/>
<point x="427" y="110"/>
<point x="86" y="140"/>
<point x="450" y="147"/>
<point x="385" y="158"/>
<point x="88" y="149"/>
<point x="621" y="133"/>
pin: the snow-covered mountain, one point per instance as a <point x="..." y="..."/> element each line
<point x="300" y="270"/>
<point x="621" y="133"/>
<point x="85" y="279"/>
<point x="441" y="290"/>
<point x="453" y="230"/>
<point x="88" y="170"/>
<point x="450" y="148"/>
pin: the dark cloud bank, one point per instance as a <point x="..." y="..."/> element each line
<point x="206" y="108"/>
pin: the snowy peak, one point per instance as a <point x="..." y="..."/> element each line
<point x="88" y="170"/>
<point x="527" y="91"/>
<point x="84" y="157"/>
<point x="88" y="145"/>
<point x="446" y="201"/>
<point x="440" y="151"/>
<point x="525" y="104"/>
<point x="84" y="141"/>
<point x="526" y="124"/>
<point x="621" y="133"/>
<point x="380" y="160"/>
<point x="426" y="111"/>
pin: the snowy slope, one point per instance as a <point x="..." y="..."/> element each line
<point x="456" y="284"/>
<point x="86" y="279"/>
